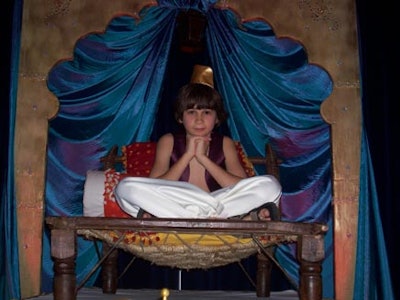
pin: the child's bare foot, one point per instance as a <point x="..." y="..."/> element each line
<point x="144" y="214"/>
<point x="262" y="215"/>
<point x="266" y="212"/>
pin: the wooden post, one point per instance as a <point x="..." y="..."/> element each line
<point x="109" y="272"/>
<point x="63" y="251"/>
<point x="311" y="254"/>
<point x="264" y="268"/>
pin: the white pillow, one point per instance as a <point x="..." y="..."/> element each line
<point x="93" y="194"/>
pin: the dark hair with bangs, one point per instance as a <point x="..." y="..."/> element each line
<point x="199" y="96"/>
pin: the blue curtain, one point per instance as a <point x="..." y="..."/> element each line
<point x="108" y="95"/>
<point x="9" y="264"/>
<point x="118" y="89"/>
<point x="273" y="95"/>
<point x="371" y="265"/>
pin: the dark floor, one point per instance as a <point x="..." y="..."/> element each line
<point x="96" y="293"/>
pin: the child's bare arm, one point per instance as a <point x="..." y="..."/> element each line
<point x="232" y="162"/>
<point x="163" y="153"/>
<point x="161" y="168"/>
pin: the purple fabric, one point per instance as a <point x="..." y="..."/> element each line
<point x="216" y="154"/>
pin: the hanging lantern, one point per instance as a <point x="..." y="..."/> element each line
<point x="191" y="25"/>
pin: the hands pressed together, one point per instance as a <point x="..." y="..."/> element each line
<point x="197" y="146"/>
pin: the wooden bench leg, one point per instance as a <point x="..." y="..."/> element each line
<point x="264" y="268"/>
<point x="109" y="272"/>
<point x="63" y="251"/>
<point x="311" y="254"/>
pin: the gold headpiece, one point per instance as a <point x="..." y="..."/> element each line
<point x="202" y="74"/>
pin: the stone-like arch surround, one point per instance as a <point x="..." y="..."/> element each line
<point x="50" y="28"/>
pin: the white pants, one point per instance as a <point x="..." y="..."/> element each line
<point x="178" y="199"/>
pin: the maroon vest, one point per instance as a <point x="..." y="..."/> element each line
<point x="216" y="154"/>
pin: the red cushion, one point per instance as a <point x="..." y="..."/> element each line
<point x="139" y="158"/>
<point x="111" y="207"/>
<point x="246" y="163"/>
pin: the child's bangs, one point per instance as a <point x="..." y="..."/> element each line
<point x="201" y="103"/>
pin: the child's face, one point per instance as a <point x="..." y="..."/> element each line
<point x="199" y="122"/>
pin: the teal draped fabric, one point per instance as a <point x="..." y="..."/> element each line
<point x="108" y="95"/>
<point x="9" y="263"/>
<point x="273" y="95"/>
<point x="372" y="265"/>
<point x="111" y="91"/>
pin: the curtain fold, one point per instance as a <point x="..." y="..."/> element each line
<point x="109" y="93"/>
<point x="9" y="264"/>
<point x="371" y="265"/>
<point x="277" y="103"/>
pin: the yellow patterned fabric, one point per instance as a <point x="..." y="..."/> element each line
<point x="185" y="250"/>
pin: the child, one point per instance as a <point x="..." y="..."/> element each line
<point x="197" y="174"/>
